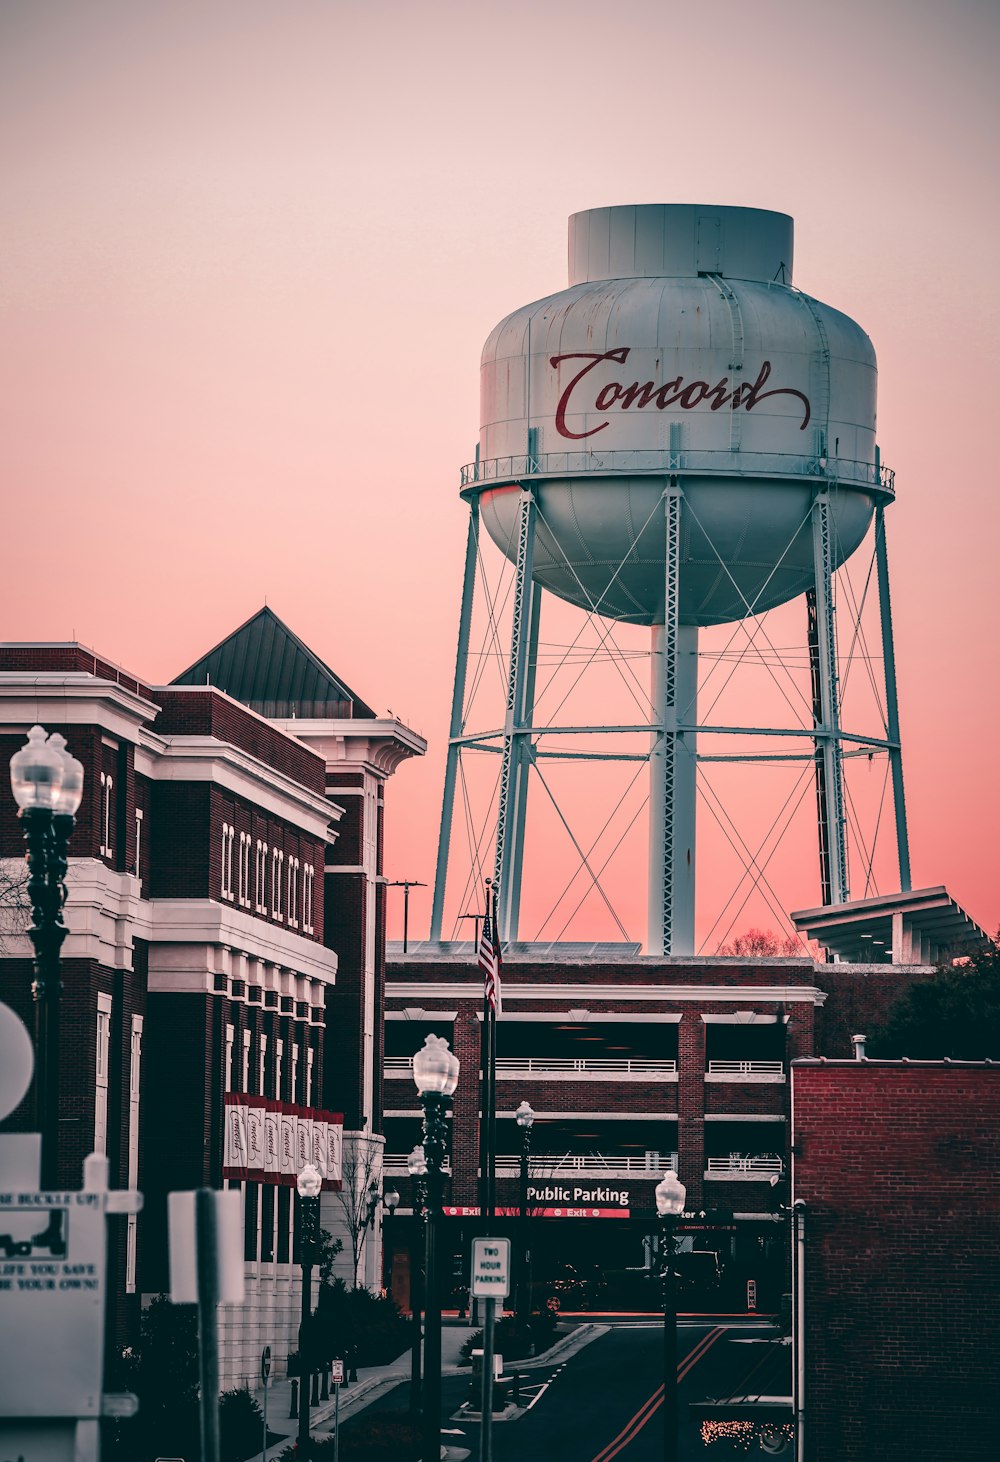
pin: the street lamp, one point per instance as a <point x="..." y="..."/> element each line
<point x="435" y="1071"/>
<point x="416" y="1165"/>
<point x="525" y="1117"/>
<point x="670" y="1194"/>
<point x="48" y="786"/>
<point x="309" y="1184"/>
<point x="390" y="1202"/>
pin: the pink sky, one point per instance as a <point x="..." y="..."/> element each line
<point x="252" y="251"/>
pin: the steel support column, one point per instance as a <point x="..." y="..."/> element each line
<point x="892" y="702"/>
<point x="521" y="761"/>
<point x="672" y="761"/>
<point x="457" y="724"/>
<point x="510" y="831"/>
<point x="827" y="735"/>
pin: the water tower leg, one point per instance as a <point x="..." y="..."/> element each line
<point x="827" y="735"/>
<point x="457" y="722"/>
<point x="672" y="766"/>
<point x="521" y="770"/>
<point x="509" y="833"/>
<point x="892" y="702"/>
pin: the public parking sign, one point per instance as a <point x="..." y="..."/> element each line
<point x="490" y="1269"/>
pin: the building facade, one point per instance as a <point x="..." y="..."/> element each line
<point x="632" y="1065"/>
<point x="895" y="1167"/>
<point x="207" y="910"/>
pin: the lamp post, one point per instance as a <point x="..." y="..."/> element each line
<point x="417" y="1166"/>
<point x="390" y="1202"/>
<point x="435" y="1071"/>
<point x="525" y="1118"/>
<point x="670" y="1194"/>
<point x="48" y="786"/>
<point x="309" y="1184"/>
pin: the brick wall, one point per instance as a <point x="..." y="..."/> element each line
<point x="897" y="1164"/>
<point x="85" y="744"/>
<point x="53" y="659"/>
<point x="196" y="711"/>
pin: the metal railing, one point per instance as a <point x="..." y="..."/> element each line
<point x="589" y="1163"/>
<point x="397" y="1066"/>
<point x="723" y="463"/>
<point x="400" y="1066"/>
<point x="587" y="1066"/>
<point x="746" y="1068"/>
<point x="764" y="1166"/>
<point x="396" y="1166"/>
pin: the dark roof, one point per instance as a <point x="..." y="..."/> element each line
<point x="268" y="668"/>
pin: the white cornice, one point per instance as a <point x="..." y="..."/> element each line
<point x="73" y="698"/>
<point x="205" y="759"/>
<point x="453" y="989"/>
<point x="375" y="746"/>
<point x="203" y="921"/>
<point x="105" y="913"/>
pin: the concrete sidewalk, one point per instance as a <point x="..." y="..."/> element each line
<point x="375" y="1381"/>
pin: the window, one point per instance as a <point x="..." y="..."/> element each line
<point x="308" y="877"/>
<point x="138" y="843"/>
<point x="244" y="896"/>
<point x="260" y="875"/>
<point x="107" y="786"/>
<point x="277" y="868"/>
<point x="133" y="1147"/>
<point x="228" y="837"/>
<point x="101" y="1073"/>
<point x="228" y="1070"/>
<point x="293" y="892"/>
<point x="245" y="1067"/>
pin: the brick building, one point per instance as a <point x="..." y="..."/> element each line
<point x="225" y="924"/>
<point x="896" y="1164"/>
<point x="631" y="1064"/>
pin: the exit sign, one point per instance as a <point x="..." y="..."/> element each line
<point x="490" y="1269"/>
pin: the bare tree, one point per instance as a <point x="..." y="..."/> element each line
<point x="15" y="906"/>
<point x="358" y="1196"/>
<point x="762" y="943"/>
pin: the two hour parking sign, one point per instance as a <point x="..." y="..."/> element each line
<point x="490" y="1269"/>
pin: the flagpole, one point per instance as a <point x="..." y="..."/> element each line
<point x="493" y="1060"/>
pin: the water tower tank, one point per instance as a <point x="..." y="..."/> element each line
<point x="680" y="345"/>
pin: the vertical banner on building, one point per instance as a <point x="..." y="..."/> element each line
<point x="303" y="1136"/>
<point x="255" y="1140"/>
<point x="234" y="1162"/>
<point x="272" y="1159"/>
<point x="320" y="1145"/>
<point x="289" y="1121"/>
<point x="334" y="1149"/>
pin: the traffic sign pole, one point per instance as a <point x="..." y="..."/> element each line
<point x="265" y="1371"/>
<point x="486" y="1421"/>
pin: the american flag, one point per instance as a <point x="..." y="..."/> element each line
<point x="489" y="963"/>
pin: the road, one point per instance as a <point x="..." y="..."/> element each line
<point x="604" y="1403"/>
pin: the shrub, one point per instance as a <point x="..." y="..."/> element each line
<point x="361" y="1320"/>
<point x="370" y="1439"/>
<point x="241" y="1425"/>
<point x="510" y="1341"/>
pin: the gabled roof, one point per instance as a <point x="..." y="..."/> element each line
<point x="267" y="667"/>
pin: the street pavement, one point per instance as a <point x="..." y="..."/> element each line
<point x="603" y="1401"/>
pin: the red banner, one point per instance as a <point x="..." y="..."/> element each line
<point x="271" y="1142"/>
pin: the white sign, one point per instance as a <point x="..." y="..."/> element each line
<point x="52" y="1248"/>
<point x="490" y="1269"/>
<point x="228" y="1207"/>
<point x="337" y="1372"/>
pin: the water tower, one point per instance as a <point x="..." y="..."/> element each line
<point x="680" y="439"/>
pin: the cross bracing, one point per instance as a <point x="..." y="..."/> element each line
<point x="537" y="702"/>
